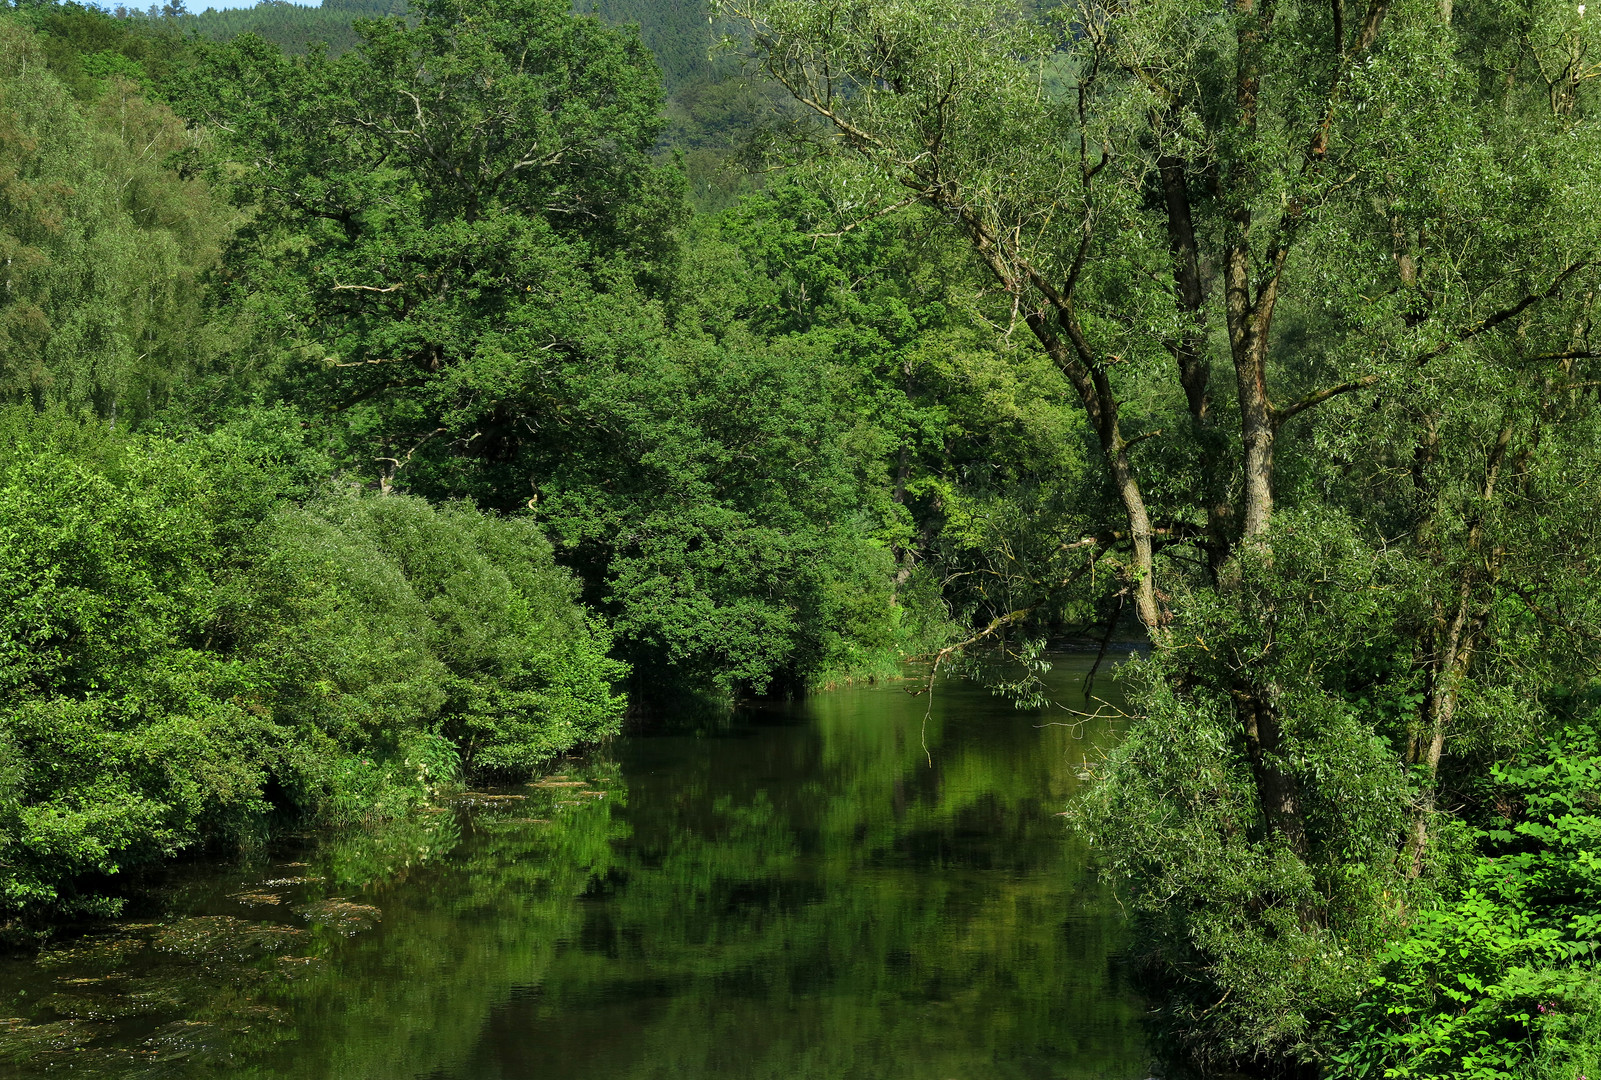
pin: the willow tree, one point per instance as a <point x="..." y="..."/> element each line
<point x="1370" y="545"/>
<point x="102" y="245"/>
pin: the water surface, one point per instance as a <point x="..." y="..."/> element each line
<point x="793" y="893"/>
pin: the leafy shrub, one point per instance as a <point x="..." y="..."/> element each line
<point x="716" y="504"/>
<point x="463" y="623"/>
<point x="1258" y="947"/>
<point x="193" y="640"/>
<point x="1503" y="981"/>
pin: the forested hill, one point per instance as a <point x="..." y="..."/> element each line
<point x="680" y="33"/>
<point x="293" y="27"/>
<point x="374" y="419"/>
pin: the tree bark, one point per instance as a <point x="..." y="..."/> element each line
<point x="1250" y="317"/>
<point x="1278" y="791"/>
<point x="1100" y="405"/>
<point x="1194" y="365"/>
<point x="1248" y="324"/>
<point x="1447" y="668"/>
<point x="1442" y="688"/>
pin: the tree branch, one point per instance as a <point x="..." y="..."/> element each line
<point x="1471" y="332"/>
<point x="368" y="288"/>
<point x="1311" y="400"/>
<point x="874" y="216"/>
<point x="374" y="391"/>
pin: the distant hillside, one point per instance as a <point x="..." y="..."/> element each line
<point x="295" y="27"/>
<point x="677" y="31"/>
<point x="711" y="109"/>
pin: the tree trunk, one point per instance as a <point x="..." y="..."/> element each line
<point x="1439" y="709"/>
<point x="1257" y="435"/>
<point x="1249" y="322"/>
<point x="1250" y="318"/>
<point x="1448" y="667"/>
<point x="1195" y="367"/>
<point x="1077" y="360"/>
<point x="1100" y="405"/>
<point x="1278" y="791"/>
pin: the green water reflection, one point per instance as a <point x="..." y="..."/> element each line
<point x="795" y="894"/>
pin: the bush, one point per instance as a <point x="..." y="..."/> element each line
<point x="1501" y="982"/>
<point x="395" y="614"/>
<point x="1257" y="947"/>
<point x="195" y="637"/>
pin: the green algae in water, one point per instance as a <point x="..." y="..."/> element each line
<point x="796" y="893"/>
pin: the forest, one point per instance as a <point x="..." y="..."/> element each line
<point x="399" y="397"/>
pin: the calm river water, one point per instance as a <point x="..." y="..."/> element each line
<point x="790" y="894"/>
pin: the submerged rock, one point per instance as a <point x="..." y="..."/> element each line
<point x="255" y="899"/>
<point x="21" y="1041"/>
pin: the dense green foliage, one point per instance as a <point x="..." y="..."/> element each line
<point x="208" y="634"/>
<point x="1501" y="981"/>
<point x="959" y="375"/>
<point x="198" y="635"/>
<point x="535" y="330"/>
<point x="713" y="110"/>
<point x="538" y="329"/>
<point x="103" y="246"/>
<point x="83" y="47"/>
<point x="1366" y="569"/>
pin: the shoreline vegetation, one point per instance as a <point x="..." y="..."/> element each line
<point x="205" y="642"/>
<point x="395" y="413"/>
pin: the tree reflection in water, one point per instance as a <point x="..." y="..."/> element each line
<point x="792" y="893"/>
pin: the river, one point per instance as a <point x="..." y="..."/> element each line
<point x="798" y="891"/>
